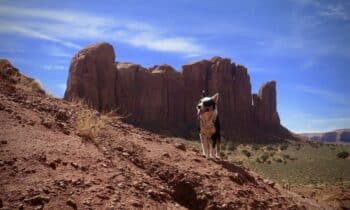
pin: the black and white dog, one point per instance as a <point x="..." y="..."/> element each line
<point x="209" y="126"/>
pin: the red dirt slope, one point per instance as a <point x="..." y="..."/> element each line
<point x="44" y="164"/>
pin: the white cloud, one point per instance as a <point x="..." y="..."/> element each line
<point x="55" y="67"/>
<point x="335" y="11"/>
<point x="8" y="28"/>
<point x="59" y="26"/>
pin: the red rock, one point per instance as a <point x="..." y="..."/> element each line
<point x="163" y="99"/>
<point x="92" y="76"/>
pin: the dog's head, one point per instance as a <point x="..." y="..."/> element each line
<point x="207" y="105"/>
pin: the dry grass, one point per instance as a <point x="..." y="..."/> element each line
<point x="29" y="85"/>
<point x="89" y="125"/>
<point x="90" y="122"/>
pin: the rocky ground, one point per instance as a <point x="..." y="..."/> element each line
<point x="46" y="164"/>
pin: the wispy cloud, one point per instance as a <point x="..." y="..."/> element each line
<point x="335" y="11"/>
<point x="67" y="27"/>
<point x="325" y="94"/>
<point x="55" y="67"/>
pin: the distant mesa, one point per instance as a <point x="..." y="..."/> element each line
<point x="336" y="136"/>
<point x="163" y="99"/>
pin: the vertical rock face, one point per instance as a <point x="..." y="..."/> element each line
<point x="264" y="105"/>
<point x="162" y="98"/>
<point x="92" y="76"/>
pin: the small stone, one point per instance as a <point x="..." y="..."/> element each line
<point x="75" y="165"/>
<point x="84" y="168"/>
<point x="180" y="146"/>
<point x="120" y="185"/>
<point x="103" y="196"/>
<point x="166" y="155"/>
<point x="72" y="204"/>
<point x="40" y="207"/>
<point x="125" y="154"/>
<point x="48" y="124"/>
<point x="37" y="200"/>
<point x="119" y="148"/>
<point x="62" y="115"/>
<point x="53" y="165"/>
<point x="20" y="206"/>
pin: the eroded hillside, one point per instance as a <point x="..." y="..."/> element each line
<point x="48" y="161"/>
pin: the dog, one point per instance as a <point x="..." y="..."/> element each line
<point x="209" y="126"/>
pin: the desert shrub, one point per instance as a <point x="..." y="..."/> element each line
<point x="222" y="147"/>
<point x="314" y="144"/>
<point x="246" y="153"/>
<point x="89" y="125"/>
<point x="283" y="147"/>
<point x="270" y="148"/>
<point x="239" y="162"/>
<point x="255" y="147"/>
<point x="230" y="146"/>
<point x="278" y="160"/>
<point x="223" y="155"/>
<point x="285" y="156"/>
<point x="264" y="156"/>
<point x="343" y="155"/>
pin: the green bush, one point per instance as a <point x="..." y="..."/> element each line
<point x="343" y="155"/>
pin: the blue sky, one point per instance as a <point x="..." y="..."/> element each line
<point x="302" y="44"/>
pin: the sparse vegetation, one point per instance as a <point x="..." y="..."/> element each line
<point x="283" y="147"/>
<point x="264" y="156"/>
<point x="343" y="155"/>
<point x="246" y="153"/>
<point x="270" y="148"/>
<point x="255" y="147"/>
<point x="230" y="146"/>
<point x="89" y="125"/>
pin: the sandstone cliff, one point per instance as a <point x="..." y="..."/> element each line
<point x="161" y="98"/>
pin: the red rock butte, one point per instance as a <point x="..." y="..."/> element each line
<point x="163" y="99"/>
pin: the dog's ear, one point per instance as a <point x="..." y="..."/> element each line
<point x="215" y="97"/>
<point x="203" y="93"/>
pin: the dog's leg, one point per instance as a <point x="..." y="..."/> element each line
<point x="206" y="147"/>
<point x="211" y="149"/>
<point x="202" y="143"/>
<point x="217" y="150"/>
